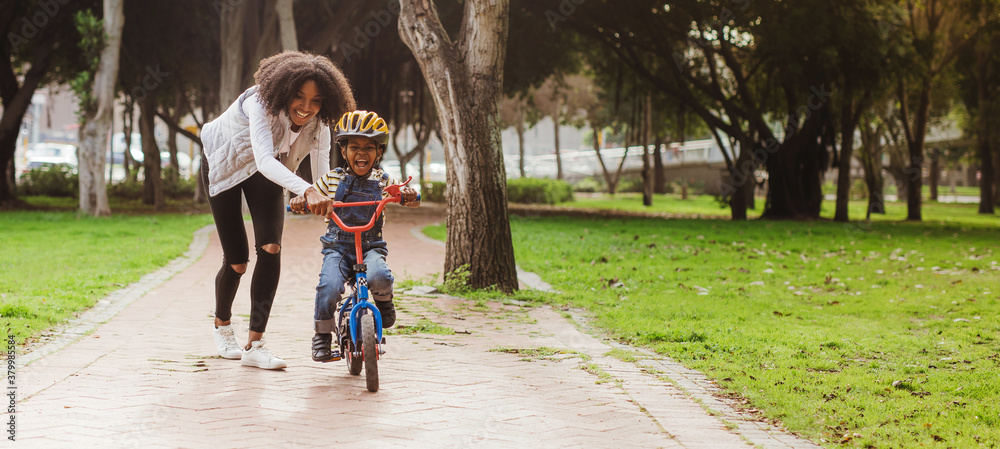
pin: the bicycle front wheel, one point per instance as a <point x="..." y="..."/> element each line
<point x="348" y="350"/>
<point x="370" y="351"/>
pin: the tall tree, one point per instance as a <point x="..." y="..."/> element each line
<point x="550" y="100"/>
<point x="874" y="140"/>
<point x="514" y="114"/>
<point x="168" y="79"/>
<point x="979" y="74"/>
<point x="31" y="55"/>
<point x="465" y="76"/>
<point x="98" y="114"/>
<point x="863" y="50"/>
<point x="937" y="31"/>
<point x="411" y="110"/>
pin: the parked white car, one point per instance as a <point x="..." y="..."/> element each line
<point x="44" y="155"/>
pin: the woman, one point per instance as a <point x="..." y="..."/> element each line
<point x="252" y="150"/>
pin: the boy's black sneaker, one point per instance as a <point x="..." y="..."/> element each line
<point x="388" y="311"/>
<point x="322" y="348"/>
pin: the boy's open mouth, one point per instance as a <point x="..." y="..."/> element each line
<point x="361" y="164"/>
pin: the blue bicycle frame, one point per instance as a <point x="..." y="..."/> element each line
<point x="357" y="301"/>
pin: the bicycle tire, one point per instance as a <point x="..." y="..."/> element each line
<point x="370" y="351"/>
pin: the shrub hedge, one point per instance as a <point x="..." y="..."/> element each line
<point x="58" y="180"/>
<point x="538" y="191"/>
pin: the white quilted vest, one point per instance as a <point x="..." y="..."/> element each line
<point x="230" y="156"/>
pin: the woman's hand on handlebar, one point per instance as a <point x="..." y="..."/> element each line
<point x="297" y="205"/>
<point x="318" y="204"/>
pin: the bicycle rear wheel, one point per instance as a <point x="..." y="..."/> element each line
<point x="370" y="351"/>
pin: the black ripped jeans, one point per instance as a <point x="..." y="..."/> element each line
<point x="265" y="199"/>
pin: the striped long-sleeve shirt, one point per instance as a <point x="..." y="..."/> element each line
<point x="328" y="183"/>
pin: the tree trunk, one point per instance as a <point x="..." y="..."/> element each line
<point x="520" y="146"/>
<point x="153" y="182"/>
<point x="127" y="127"/>
<point x="659" y="177"/>
<point x="794" y="172"/>
<point x="175" y="165"/>
<point x="647" y="159"/>
<point x="231" y="23"/>
<point x="915" y="135"/>
<point x="8" y="144"/>
<point x="286" y="25"/>
<point x="986" y="199"/>
<point x="935" y="174"/>
<point x="870" y="155"/>
<point x="556" y="118"/>
<point x="16" y="100"/>
<point x="8" y="191"/>
<point x="739" y="181"/>
<point x="466" y="78"/>
<point x="609" y="180"/>
<point x="995" y="146"/>
<point x="93" y="189"/>
<point x="420" y="167"/>
<point x="844" y="163"/>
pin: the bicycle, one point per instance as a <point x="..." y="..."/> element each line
<point x="359" y="323"/>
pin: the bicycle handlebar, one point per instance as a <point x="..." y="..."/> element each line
<point x="395" y="196"/>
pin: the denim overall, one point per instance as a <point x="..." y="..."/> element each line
<point x="339" y="253"/>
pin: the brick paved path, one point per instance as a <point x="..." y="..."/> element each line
<point x="140" y="370"/>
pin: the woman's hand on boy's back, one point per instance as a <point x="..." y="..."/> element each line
<point x="318" y="203"/>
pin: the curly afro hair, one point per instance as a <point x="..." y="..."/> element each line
<point x="280" y="77"/>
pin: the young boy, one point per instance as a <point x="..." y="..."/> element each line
<point x="361" y="137"/>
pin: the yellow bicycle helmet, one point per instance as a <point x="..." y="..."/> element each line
<point x="362" y="124"/>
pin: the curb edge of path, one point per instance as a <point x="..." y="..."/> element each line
<point x="116" y="301"/>
<point x="695" y="385"/>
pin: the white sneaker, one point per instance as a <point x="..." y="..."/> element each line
<point x="260" y="357"/>
<point x="225" y="341"/>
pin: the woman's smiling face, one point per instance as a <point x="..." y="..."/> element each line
<point x="306" y="103"/>
<point x="361" y="154"/>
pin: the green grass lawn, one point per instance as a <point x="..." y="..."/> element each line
<point x="890" y="189"/>
<point x="54" y="264"/>
<point x="862" y="335"/>
<point x="705" y="206"/>
<point x="700" y="205"/>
